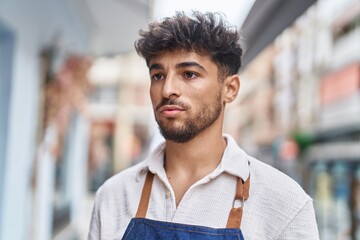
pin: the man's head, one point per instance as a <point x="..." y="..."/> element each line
<point x="193" y="65"/>
<point x="205" y="34"/>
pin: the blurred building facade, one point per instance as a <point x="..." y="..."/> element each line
<point x="299" y="110"/>
<point x="43" y="128"/>
<point x="60" y="119"/>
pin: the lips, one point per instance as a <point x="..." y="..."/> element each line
<point x="171" y="110"/>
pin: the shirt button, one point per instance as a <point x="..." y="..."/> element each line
<point x="167" y="195"/>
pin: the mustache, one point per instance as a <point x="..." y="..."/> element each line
<point x="167" y="101"/>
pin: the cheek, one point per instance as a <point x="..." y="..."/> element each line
<point x="153" y="96"/>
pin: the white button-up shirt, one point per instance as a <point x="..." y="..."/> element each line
<point x="277" y="208"/>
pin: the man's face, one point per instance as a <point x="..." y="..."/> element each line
<point x="186" y="94"/>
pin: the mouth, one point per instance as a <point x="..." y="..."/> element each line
<point x="171" y="110"/>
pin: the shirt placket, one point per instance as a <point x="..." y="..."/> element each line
<point x="169" y="196"/>
<point x="170" y="205"/>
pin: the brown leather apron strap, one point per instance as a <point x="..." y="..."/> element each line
<point x="235" y="215"/>
<point x="242" y="194"/>
<point x="145" y="196"/>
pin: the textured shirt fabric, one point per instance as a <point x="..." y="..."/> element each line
<point x="278" y="208"/>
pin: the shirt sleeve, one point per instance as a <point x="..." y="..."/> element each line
<point x="94" y="231"/>
<point x="303" y="226"/>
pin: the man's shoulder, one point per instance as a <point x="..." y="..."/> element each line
<point x="124" y="179"/>
<point x="274" y="185"/>
<point x="277" y="198"/>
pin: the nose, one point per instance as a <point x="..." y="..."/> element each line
<point x="170" y="88"/>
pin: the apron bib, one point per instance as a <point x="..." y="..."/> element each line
<point x="142" y="228"/>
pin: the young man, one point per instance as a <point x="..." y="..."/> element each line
<point x="198" y="184"/>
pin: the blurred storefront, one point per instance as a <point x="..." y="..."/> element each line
<point x="121" y="115"/>
<point x="299" y="110"/>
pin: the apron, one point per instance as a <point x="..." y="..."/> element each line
<point x="142" y="228"/>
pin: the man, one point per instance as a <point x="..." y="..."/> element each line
<point x="198" y="184"/>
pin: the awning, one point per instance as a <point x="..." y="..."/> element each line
<point x="266" y="20"/>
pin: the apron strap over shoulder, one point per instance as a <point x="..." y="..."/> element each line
<point x="145" y="196"/>
<point x="235" y="215"/>
<point x="242" y="194"/>
<point x="242" y="189"/>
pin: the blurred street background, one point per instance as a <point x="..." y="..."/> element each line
<point x="75" y="110"/>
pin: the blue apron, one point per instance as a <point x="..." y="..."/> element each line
<point x="142" y="228"/>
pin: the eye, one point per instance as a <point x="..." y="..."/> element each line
<point x="190" y="75"/>
<point x="157" y="76"/>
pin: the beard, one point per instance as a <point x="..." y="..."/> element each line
<point x="205" y="117"/>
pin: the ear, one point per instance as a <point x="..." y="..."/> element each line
<point x="231" y="88"/>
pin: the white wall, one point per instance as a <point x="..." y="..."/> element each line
<point x="6" y="53"/>
<point x="34" y="22"/>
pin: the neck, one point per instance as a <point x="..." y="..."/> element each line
<point x="187" y="163"/>
<point x="196" y="158"/>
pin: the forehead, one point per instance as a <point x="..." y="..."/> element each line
<point x="173" y="58"/>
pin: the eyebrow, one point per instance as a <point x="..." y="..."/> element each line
<point x="157" y="66"/>
<point x="190" y="64"/>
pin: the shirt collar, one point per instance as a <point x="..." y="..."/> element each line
<point x="234" y="161"/>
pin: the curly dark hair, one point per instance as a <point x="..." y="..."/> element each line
<point x="203" y="33"/>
